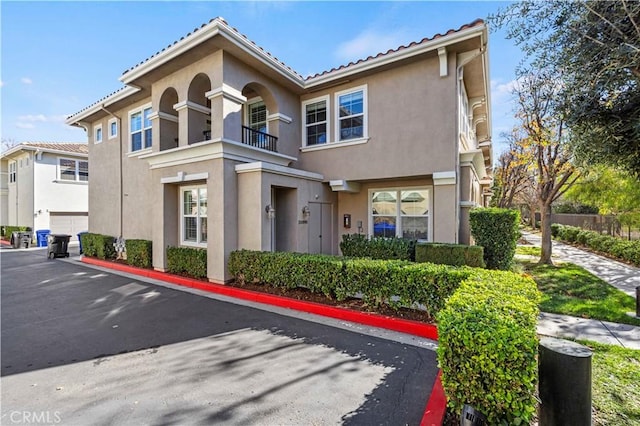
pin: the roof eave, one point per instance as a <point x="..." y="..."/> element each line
<point x="76" y="119"/>
<point x="11" y="152"/>
<point x="408" y="52"/>
<point x="215" y="28"/>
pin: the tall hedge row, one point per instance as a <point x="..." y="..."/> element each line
<point x="382" y="248"/>
<point x="487" y="346"/>
<point x="377" y="281"/>
<point x="496" y="230"/>
<point x="616" y="247"/>
<point x="450" y="254"/>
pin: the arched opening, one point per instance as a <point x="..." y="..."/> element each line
<point x="256" y="130"/>
<point x="199" y="109"/>
<point x="168" y="119"/>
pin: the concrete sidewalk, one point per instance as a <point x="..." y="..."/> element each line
<point x="622" y="276"/>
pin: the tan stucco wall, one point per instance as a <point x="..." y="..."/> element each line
<point x="411" y="126"/>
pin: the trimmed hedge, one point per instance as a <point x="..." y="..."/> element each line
<point x="187" y="261"/>
<point x="496" y="230"/>
<point x="487" y="346"/>
<point x="377" y="281"/>
<point x="98" y="245"/>
<point x="139" y="253"/>
<point x="616" y="247"/>
<point x="7" y="230"/>
<point x="358" y="245"/>
<point x="450" y="254"/>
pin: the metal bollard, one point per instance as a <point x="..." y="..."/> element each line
<point x="564" y="371"/>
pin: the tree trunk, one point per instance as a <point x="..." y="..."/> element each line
<point x="532" y="215"/>
<point x="545" y="225"/>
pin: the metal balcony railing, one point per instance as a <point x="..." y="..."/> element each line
<point x="259" y="139"/>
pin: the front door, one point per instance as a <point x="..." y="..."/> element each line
<point x="320" y="228"/>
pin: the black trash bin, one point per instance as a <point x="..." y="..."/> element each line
<point x="58" y="245"/>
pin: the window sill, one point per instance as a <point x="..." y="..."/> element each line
<point x="133" y="154"/>
<point x="334" y="145"/>
<point x="193" y="245"/>
<point x="72" y="182"/>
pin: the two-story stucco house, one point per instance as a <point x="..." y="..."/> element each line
<point x="214" y="143"/>
<point x="45" y="186"/>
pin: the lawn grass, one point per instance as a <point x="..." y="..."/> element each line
<point x="615" y="384"/>
<point x="571" y="290"/>
<point x="528" y="250"/>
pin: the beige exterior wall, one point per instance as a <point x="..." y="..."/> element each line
<point x="411" y="126"/>
<point x="4" y="192"/>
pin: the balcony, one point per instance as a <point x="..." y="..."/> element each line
<point x="259" y="139"/>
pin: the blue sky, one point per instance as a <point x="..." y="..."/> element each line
<point x="59" y="57"/>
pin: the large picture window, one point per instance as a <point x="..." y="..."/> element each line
<point x="315" y="113"/>
<point x="352" y="114"/>
<point x="400" y="213"/>
<point x="73" y="170"/>
<point x="194" y="216"/>
<point x="140" y="129"/>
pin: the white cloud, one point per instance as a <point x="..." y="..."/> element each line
<point x="29" y="121"/>
<point x="21" y="125"/>
<point x="1" y="83"/>
<point x="369" y="42"/>
<point x="26" y="80"/>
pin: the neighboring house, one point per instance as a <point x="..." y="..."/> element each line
<point x="45" y="186"/>
<point x="215" y="143"/>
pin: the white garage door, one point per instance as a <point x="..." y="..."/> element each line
<point x="68" y="223"/>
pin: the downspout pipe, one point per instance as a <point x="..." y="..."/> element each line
<point x="121" y="180"/>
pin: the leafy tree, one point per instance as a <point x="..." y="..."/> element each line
<point x="612" y="191"/>
<point x="595" y="48"/>
<point x="546" y="145"/>
<point x="510" y="176"/>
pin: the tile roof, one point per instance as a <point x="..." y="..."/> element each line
<point x="475" y="23"/>
<point x="76" y="148"/>
<point x="123" y="88"/>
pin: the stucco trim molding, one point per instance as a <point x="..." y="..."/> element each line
<point x="213" y="149"/>
<point x="279" y="116"/>
<point x="331" y="145"/>
<point x="183" y="177"/>
<point x="444" y="178"/>
<point x="260" y="166"/>
<point x="191" y="105"/>
<point x="468" y="204"/>
<point x="163" y="115"/>
<point x="442" y="56"/>
<point x="342" y="185"/>
<point x="227" y="92"/>
<point x="474" y="159"/>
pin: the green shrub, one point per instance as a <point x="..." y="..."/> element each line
<point x="357" y="245"/>
<point x="450" y="254"/>
<point x="555" y="229"/>
<point x="496" y="230"/>
<point x="7" y="230"/>
<point x="98" y="245"/>
<point x="139" y="253"/>
<point x="187" y="261"/>
<point x="394" y="282"/>
<point x="622" y="249"/>
<point x="571" y="233"/>
<point x="487" y="346"/>
<point x="582" y="236"/>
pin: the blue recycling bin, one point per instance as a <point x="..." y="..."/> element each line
<point x="80" y="234"/>
<point x="41" y="236"/>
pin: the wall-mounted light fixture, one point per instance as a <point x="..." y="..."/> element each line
<point x="271" y="212"/>
<point x="306" y="212"/>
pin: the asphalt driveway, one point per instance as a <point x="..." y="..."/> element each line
<point x="84" y="346"/>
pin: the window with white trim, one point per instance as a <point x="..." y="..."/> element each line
<point x="316" y="125"/>
<point x="113" y="128"/>
<point x="73" y="170"/>
<point x="193" y="215"/>
<point x="12" y="171"/>
<point x="97" y="134"/>
<point x="402" y="213"/>
<point x="351" y="114"/>
<point x="140" y="128"/>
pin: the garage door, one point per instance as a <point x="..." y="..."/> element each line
<point x="68" y="223"/>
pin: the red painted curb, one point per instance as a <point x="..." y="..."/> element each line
<point x="5" y="242"/>
<point x="436" y="406"/>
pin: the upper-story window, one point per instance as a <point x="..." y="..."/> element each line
<point x="97" y="134"/>
<point x="258" y="116"/>
<point x="12" y="172"/>
<point x="113" y="128"/>
<point x="315" y="113"/>
<point x="73" y="170"/>
<point x="351" y="117"/>
<point x="140" y="128"/>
